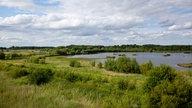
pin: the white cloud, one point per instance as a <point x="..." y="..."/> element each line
<point x="92" y="21"/>
<point x="187" y="25"/>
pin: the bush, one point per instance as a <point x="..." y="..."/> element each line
<point x="156" y="75"/>
<point x="17" y="72"/>
<point x="110" y="65"/>
<point x="2" y="55"/>
<point x="168" y="90"/>
<point x="122" y="64"/>
<point x="99" y="65"/>
<point x="135" y="66"/>
<point x="145" y="67"/>
<point x="176" y="94"/>
<point x="74" y="63"/>
<point x="40" y="76"/>
<point x="93" y="63"/>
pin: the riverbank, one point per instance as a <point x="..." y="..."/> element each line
<point x="186" y="65"/>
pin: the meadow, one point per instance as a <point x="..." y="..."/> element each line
<point x="37" y="80"/>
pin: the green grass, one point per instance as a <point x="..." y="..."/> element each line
<point x="82" y="87"/>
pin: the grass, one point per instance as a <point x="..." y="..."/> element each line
<point x="99" y="90"/>
<point x="92" y="87"/>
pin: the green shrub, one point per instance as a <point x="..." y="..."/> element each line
<point x="156" y="75"/>
<point x="99" y="65"/>
<point x="167" y="90"/>
<point x="135" y="66"/>
<point x="93" y="63"/>
<point x="145" y="67"/>
<point x="74" y="63"/>
<point x="17" y="72"/>
<point x="176" y="94"/>
<point x="110" y="65"/>
<point x="122" y="64"/>
<point x="40" y="76"/>
<point x="2" y="55"/>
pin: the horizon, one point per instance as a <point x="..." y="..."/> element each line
<point x="96" y="45"/>
<point x="88" y="22"/>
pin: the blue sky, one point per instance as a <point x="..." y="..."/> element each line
<point x="95" y="22"/>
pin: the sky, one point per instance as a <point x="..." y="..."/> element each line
<point x="95" y="22"/>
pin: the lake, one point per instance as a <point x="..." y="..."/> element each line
<point x="156" y="58"/>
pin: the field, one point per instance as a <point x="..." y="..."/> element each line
<point x="85" y="86"/>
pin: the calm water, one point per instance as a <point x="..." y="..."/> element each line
<point x="156" y="58"/>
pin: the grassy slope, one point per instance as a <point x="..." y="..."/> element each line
<point x="101" y="91"/>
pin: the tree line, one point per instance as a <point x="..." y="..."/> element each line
<point x="91" y="49"/>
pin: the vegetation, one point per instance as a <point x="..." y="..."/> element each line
<point x="17" y="72"/>
<point x="40" y="76"/>
<point x="37" y="59"/>
<point x="166" y="55"/>
<point x="146" y="67"/>
<point x="110" y="57"/>
<point x="187" y="65"/>
<point x="2" y="55"/>
<point x="55" y="84"/>
<point x="166" y="89"/>
<point x="88" y="49"/>
<point x="93" y="63"/>
<point x="99" y="65"/>
<point x="13" y="56"/>
<point x="74" y="63"/>
<point x="122" y="64"/>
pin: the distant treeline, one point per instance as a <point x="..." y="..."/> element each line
<point x="90" y="49"/>
<point x="83" y="49"/>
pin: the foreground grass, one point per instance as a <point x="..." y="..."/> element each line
<point x="96" y="87"/>
<point x="84" y="87"/>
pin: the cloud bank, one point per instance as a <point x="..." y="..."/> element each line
<point x="95" y="22"/>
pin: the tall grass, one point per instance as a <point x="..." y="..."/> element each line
<point x="70" y="87"/>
